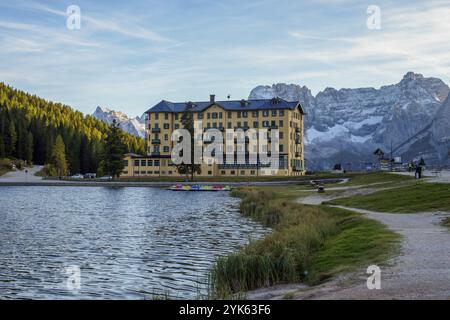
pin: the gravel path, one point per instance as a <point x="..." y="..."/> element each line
<point x="22" y="176"/>
<point x="421" y="270"/>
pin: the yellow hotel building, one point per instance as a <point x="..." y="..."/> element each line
<point x="276" y="113"/>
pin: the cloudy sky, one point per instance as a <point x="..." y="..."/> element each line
<point x="129" y="55"/>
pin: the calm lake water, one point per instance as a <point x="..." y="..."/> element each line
<point x="128" y="243"/>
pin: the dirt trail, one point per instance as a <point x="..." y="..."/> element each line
<point x="420" y="271"/>
<point x="22" y="175"/>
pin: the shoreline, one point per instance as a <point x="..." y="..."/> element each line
<point x="155" y="184"/>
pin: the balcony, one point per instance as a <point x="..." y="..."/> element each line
<point x="156" y="130"/>
<point x="156" y="141"/>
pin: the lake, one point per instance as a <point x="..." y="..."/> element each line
<point x="114" y="243"/>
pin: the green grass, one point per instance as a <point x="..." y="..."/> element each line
<point x="308" y="244"/>
<point x="360" y="242"/>
<point x="419" y="197"/>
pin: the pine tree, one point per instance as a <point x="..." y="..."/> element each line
<point x="12" y="140"/>
<point x="113" y="155"/>
<point x="29" y="148"/>
<point x="189" y="169"/>
<point x="2" y="147"/>
<point x="59" y="157"/>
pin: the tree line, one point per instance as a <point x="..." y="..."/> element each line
<point x="33" y="129"/>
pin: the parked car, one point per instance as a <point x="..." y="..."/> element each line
<point x="90" y="176"/>
<point x="107" y="178"/>
<point x="77" y="176"/>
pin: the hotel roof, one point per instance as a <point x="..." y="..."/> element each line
<point x="229" y="105"/>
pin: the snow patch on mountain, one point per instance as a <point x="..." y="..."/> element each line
<point x="134" y="126"/>
<point x="352" y="122"/>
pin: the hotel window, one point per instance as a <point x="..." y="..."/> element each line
<point x="230" y="114"/>
<point x="166" y="116"/>
<point x="242" y="173"/>
<point x="281" y="113"/>
<point x="143" y="163"/>
<point x="150" y="163"/>
<point x="252" y="172"/>
<point x="166" y="126"/>
<point x="156" y="116"/>
<point x="230" y="125"/>
<point x="125" y="172"/>
<point x="136" y="163"/>
<point x="281" y="123"/>
<point x="265" y="124"/>
<point x="149" y="172"/>
<point x="210" y="173"/>
<point x="149" y="116"/>
<point x="274" y="113"/>
<point x="156" y="126"/>
<point x="220" y="125"/>
<point x="239" y="124"/>
<point x="208" y="115"/>
<point x="239" y="114"/>
<point x="255" y="124"/>
<point x="208" y="125"/>
<point x="136" y="173"/>
<point x="125" y="163"/>
<point x="281" y="135"/>
<point x="265" y="114"/>
<point x="220" y="115"/>
<point x="281" y="148"/>
<point x="166" y="149"/>
<point x="166" y="137"/>
<point x="157" y="163"/>
<point x="176" y="116"/>
<point x="245" y="124"/>
<point x="143" y="172"/>
<point x="177" y="126"/>
<point x="233" y="172"/>
<point x="215" y="125"/>
<point x="273" y="123"/>
<point x="214" y="115"/>
<point x="255" y="114"/>
<point x="245" y="114"/>
<point x="223" y="172"/>
<point x="200" y="116"/>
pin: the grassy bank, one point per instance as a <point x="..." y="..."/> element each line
<point x="418" y="197"/>
<point x="308" y="244"/>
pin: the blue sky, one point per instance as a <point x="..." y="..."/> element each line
<point x="129" y="55"/>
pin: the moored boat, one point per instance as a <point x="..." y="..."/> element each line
<point x="180" y="187"/>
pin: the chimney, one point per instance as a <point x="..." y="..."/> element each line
<point x="212" y="98"/>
